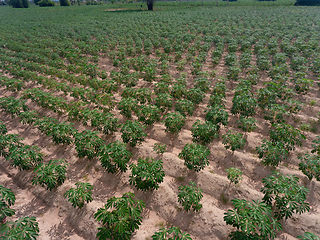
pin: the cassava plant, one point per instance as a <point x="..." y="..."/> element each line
<point x="189" y="197"/>
<point x="233" y="141"/>
<point x="159" y="148"/>
<point x="79" y="195"/>
<point x="234" y="175"/>
<point x="132" y="133"/>
<point x="310" y="166"/>
<point x="173" y="233"/>
<point x="204" y="132"/>
<point x="88" y="144"/>
<point x="174" y="122"/>
<point x="195" y="156"/>
<point x="272" y="153"/>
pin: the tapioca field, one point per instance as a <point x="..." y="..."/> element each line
<point x="178" y="120"/>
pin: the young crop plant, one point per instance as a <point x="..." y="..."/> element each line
<point x="149" y="114"/>
<point x="202" y="84"/>
<point x="253" y="220"/>
<point x="60" y="132"/>
<point x="143" y="95"/>
<point x="286" y="134"/>
<point x="24" y="157"/>
<point x="132" y="133"/>
<point x="127" y="106"/>
<point x="28" y="117"/>
<point x="78" y="196"/>
<point x="189" y="197"/>
<point x="178" y="90"/>
<point x="159" y="148"/>
<point x="147" y="174"/>
<point x="161" y="87"/>
<point x="247" y="124"/>
<point x="185" y="107"/>
<point x="7" y="199"/>
<point x="316" y="146"/>
<point x="286" y="194"/>
<point x="217" y="115"/>
<point x="234" y="175"/>
<point x="174" y="122"/>
<point x="104" y="122"/>
<point x="114" y="157"/>
<point x="244" y="104"/>
<point x="51" y="174"/>
<point x="195" y="95"/>
<point x="233" y="141"/>
<point x="3" y="128"/>
<point x="310" y="166"/>
<point x="173" y="233"/>
<point x="195" y="156"/>
<point x="204" y="132"/>
<point x="120" y="217"/>
<point x="88" y="144"/>
<point x="163" y="101"/>
<point x="272" y="153"/>
<point x="8" y="141"/>
<point x="303" y="85"/>
<point x="13" y="106"/>
<point x="308" y="236"/>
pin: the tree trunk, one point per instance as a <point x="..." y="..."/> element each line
<point x="150" y="4"/>
<point x="228" y="3"/>
<point x="217" y="3"/>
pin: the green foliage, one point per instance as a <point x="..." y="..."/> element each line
<point x="25" y="228"/>
<point x="46" y="3"/>
<point x="233" y="141"/>
<point x="28" y="117"/>
<point x="286" y="134"/>
<point x="189" y="196"/>
<point x="217" y="114"/>
<point x="272" y="153"/>
<point x="149" y="114"/>
<point x="174" y="122"/>
<point x="310" y="166"/>
<point x="78" y="196"/>
<point x="24" y="157"/>
<point x="104" y="122"/>
<point x="51" y="174"/>
<point x="114" y="157"/>
<point x="308" y="236"/>
<point x="60" y="132"/>
<point x="120" y="217"/>
<point x="247" y="124"/>
<point x="302" y="85"/>
<point x="147" y="174"/>
<point x="195" y="156"/>
<point x="7" y="199"/>
<point x="19" y="3"/>
<point x="204" y="133"/>
<point x="316" y="146"/>
<point x="173" y="233"/>
<point x="163" y="101"/>
<point x="159" y="148"/>
<point x="64" y="3"/>
<point x="127" y="106"/>
<point x="132" y="133"/>
<point x="253" y="220"/>
<point x="7" y="142"/>
<point x="195" y="95"/>
<point x="185" y="107"/>
<point x="244" y="104"/>
<point x="3" y="128"/>
<point x="202" y="84"/>
<point x="88" y="144"/>
<point x="289" y="197"/>
<point x="234" y="175"/>
<point x="13" y="106"/>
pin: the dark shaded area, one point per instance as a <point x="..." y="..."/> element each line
<point x="307" y="3"/>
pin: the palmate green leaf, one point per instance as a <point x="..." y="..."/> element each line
<point x="25" y="228"/>
<point x="308" y="236"/>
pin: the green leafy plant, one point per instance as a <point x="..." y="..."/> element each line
<point x="127" y="106"/>
<point x="310" y="166"/>
<point x="132" y="133"/>
<point x="120" y="217"/>
<point x="247" y="124"/>
<point x="308" y="236"/>
<point x="174" y="122"/>
<point x="13" y="106"/>
<point x="149" y="114"/>
<point x="316" y="146"/>
<point x="244" y="104"/>
<point x="272" y="153"/>
<point x="163" y="101"/>
<point x="7" y="199"/>
<point x="195" y="156"/>
<point x="253" y="220"/>
<point x="28" y="117"/>
<point x="204" y="132"/>
<point x="78" y="196"/>
<point x="185" y="107"/>
<point x="147" y="174"/>
<point x="288" y="196"/>
<point x="234" y="175"/>
<point x="114" y="157"/>
<point x="104" y="122"/>
<point x="159" y="148"/>
<point x="189" y="196"/>
<point x="173" y="233"/>
<point x="195" y="95"/>
<point x="217" y="114"/>
<point x="51" y="174"/>
<point x="88" y="144"/>
<point x="286" y="134"/>
<point x="233" y="141"/>
<point x="24" y="157"/>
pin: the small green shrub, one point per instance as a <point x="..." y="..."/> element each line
<point x="234" y="175"/>
<point x="159" y="148"/>
<point x="78" y="196"/>
<point x="173" y="233"/>
<point x="189" y="196"/>
<point x="195" y="156"/>
<point x="233" y="141"/>
<point x="88" y="144"/>
<point x="174" y="122"/>
<point x="132" y="133"/>
<point x="310" y="166"/>
<point x="204" y="133"/>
